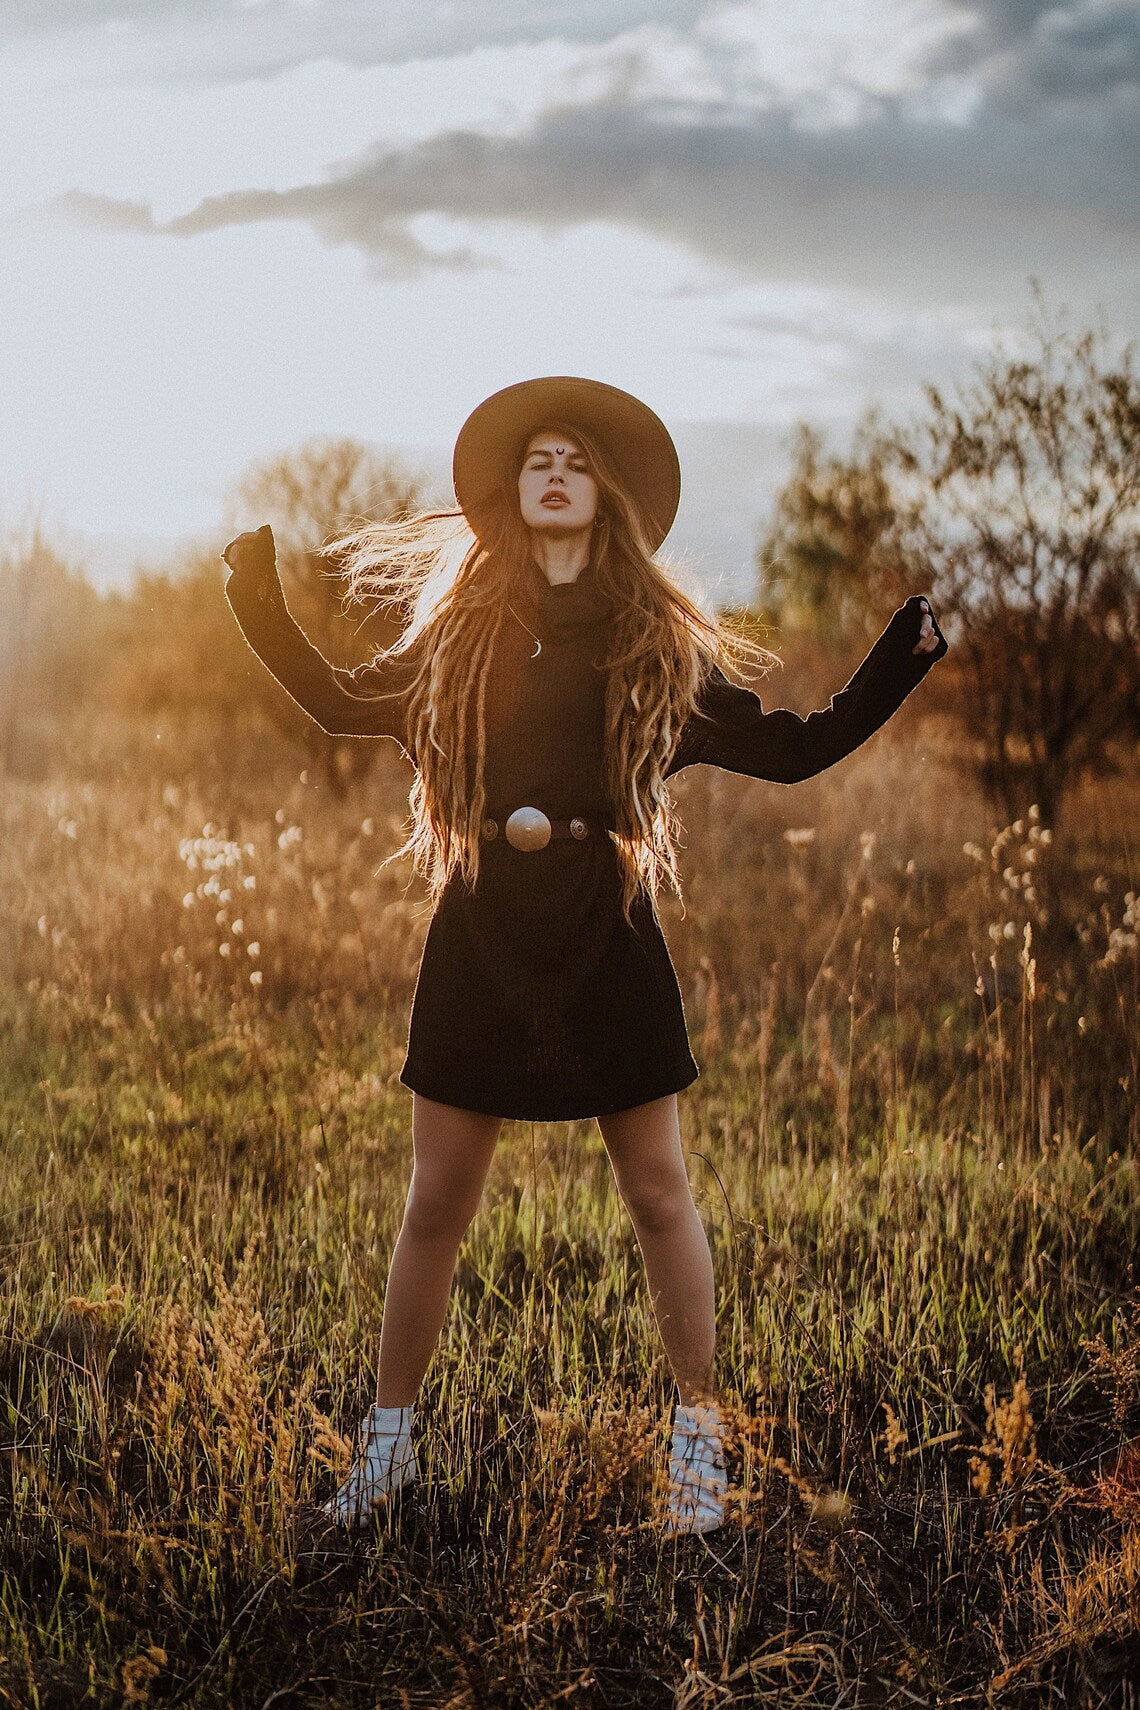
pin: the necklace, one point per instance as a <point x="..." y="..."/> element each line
<point x="530" y="632"/>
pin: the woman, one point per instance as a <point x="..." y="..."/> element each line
<point x="549" y="680"/>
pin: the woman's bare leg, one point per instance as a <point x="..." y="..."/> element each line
<point x="453" y="1151"/>
<point x="644" y="1147"/>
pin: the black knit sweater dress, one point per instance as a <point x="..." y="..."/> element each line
<point x="535" y="999"/>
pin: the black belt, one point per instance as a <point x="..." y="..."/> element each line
<point x="529" y="828"/>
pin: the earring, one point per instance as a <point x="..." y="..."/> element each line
<point x="599" y="521"/>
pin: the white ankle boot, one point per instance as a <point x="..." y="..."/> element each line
<point x="385" y="1461"/>
<point x="698" y="1478"/>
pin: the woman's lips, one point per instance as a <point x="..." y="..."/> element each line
<point x="555" y="499"/>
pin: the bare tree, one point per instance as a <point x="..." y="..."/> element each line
<point x="309" y="495"/>
<point x="1017" y="507"/>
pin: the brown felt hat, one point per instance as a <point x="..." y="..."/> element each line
<point x="489" y="450"/>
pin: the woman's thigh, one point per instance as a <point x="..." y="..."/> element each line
<point x="452" y="1149"/>
<point x="644" y="1148"/>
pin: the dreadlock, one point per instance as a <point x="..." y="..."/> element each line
<point x="453" y="588"/>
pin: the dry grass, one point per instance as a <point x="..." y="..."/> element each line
<point x="913" y="1147"/>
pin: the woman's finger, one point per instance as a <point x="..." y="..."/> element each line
<point x="927" y="634"/>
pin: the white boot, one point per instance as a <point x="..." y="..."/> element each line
<point x="385" y="1461"/>
<point x="698" y="1478"/>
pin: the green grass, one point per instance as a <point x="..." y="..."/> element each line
<point x="918" y="1178"/>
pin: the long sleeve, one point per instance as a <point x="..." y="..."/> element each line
<point x="368" y="701"/>
<point x="730" y="728"/>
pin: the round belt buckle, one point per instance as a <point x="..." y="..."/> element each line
<point x="527" y="828"/>
<point x="578" y="828"/>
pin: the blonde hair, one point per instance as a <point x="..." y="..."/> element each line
<point x="453" y="587"/>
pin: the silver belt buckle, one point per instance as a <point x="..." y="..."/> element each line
<point x="527" y="828"/>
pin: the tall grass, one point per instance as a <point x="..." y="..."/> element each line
<point x="913" y="1146"/>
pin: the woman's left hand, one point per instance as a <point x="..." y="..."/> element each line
<point x="927" y="634"/>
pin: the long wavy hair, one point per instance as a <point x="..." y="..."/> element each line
<point x="453" y="586"/>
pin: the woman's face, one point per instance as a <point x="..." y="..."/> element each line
<point x="557" y="493"/>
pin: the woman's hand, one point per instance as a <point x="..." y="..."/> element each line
<point x="927" y="635"/>
<point x="248" y="552"/>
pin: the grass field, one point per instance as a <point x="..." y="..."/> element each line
<point x="913" y="1145"/>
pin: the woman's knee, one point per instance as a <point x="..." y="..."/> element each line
<point x="658" y="1204"/>
<point x="453" y="1150"/>
<point x="644" y="1146"/>
<point x="436" y="1208"/>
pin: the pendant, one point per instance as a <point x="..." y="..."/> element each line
<point x="530" y="632"/>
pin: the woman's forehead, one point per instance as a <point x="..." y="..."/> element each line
<point x="550" y="439"/>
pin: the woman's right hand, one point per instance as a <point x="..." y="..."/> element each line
<point x="252" y="551"/>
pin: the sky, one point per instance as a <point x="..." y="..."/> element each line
<point x="228" y="226"/>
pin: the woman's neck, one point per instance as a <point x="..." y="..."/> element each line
<point x="561" y="558"/>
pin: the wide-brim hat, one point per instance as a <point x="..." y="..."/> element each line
<point x="489" y="450"/>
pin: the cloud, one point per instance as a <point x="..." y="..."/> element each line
<point x="1013" y="149"/>
<point x="1072" y="55"/>
<point x="895" y="199"/>
<point x="1000" y="22"/>
<point x="105" y="213"/>
<point x="395" y="250"/>
<point x="223" y="40"/>
<point x="1024" y="51"/>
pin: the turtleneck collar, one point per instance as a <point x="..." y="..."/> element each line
<point x="563" y="607"/>
<point x="543" y="585"/>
